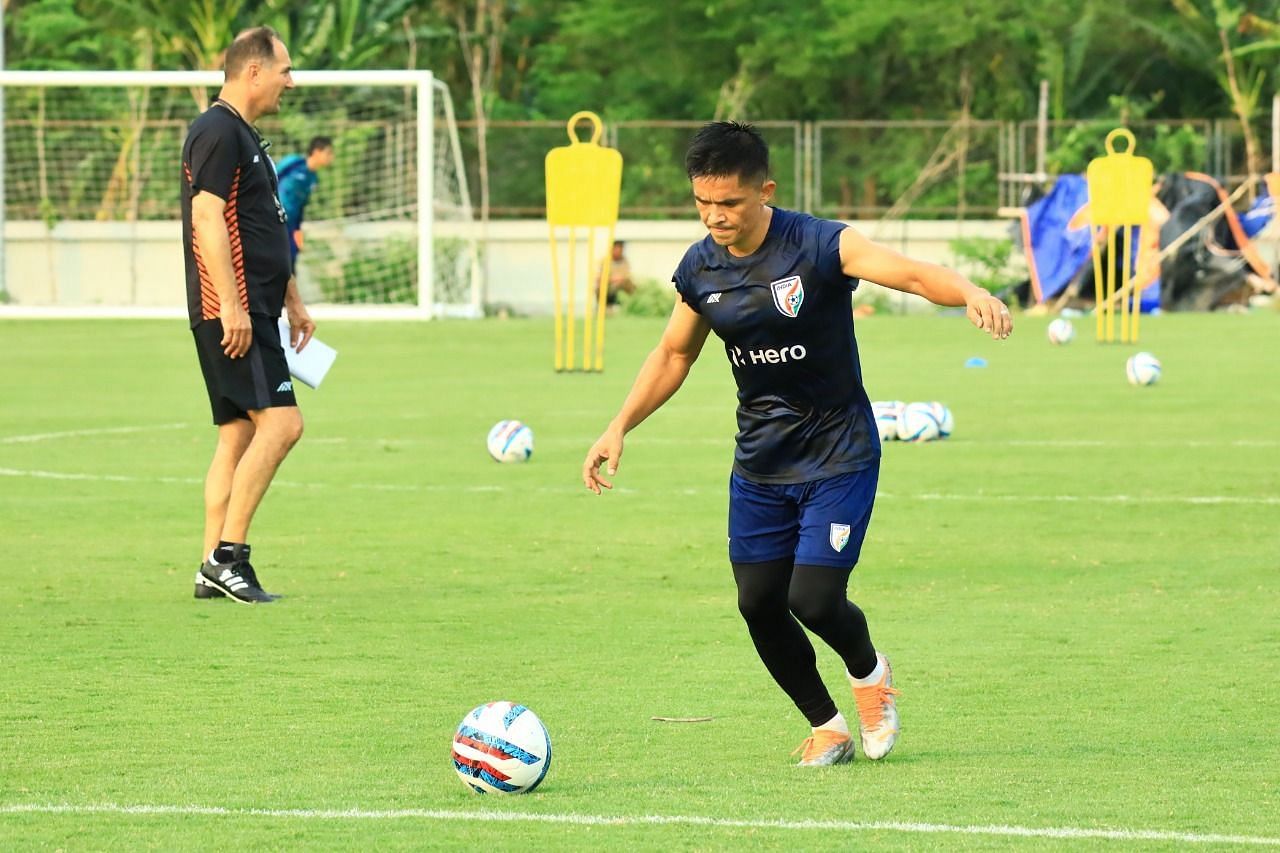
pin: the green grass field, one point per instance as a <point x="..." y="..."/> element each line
<point x="1079" y="592"/>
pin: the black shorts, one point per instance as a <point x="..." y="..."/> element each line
<point x="237" y="386"/>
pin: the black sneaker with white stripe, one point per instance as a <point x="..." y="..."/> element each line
<point x="253" y="579"/>
<point x="205" y="588"/>
<point x="235" y="579"/>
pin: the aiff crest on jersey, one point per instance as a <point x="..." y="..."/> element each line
<point x="788" y="294"/>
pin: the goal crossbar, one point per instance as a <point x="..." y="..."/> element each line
<point x="207" y="78"/>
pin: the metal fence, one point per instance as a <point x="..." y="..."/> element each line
<point x="925" y="169"/>
<point x="919" y="169"/>
<point x="68" y="168"/>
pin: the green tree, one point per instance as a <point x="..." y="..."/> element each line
<point x="1237" y="40"/>
<point x="55" y="35"/>
<point x="347" y="34"/>
<point x="189" y="35"/>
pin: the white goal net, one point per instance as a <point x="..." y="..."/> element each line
<point x="91" y="176"/>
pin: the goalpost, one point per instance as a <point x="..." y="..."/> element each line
<point x="91" y="222"/>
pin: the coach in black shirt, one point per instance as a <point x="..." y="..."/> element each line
<point x="238" y="280"/>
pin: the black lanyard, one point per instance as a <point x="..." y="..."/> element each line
<point x="263" y="145"/>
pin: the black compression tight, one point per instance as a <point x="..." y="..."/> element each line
<point x="772" y="596"/>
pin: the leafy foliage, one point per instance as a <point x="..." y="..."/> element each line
<point x="1169" y="147"/>
<point x="985" y="261"/>
<point x="690" y="60"/>
<point x="384" y="273"/>
<point x="650" y="299"/>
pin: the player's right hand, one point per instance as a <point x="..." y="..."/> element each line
<point x="607" y="449"/>
<point x="989" y="314"/>
<point x="237" y="330"/>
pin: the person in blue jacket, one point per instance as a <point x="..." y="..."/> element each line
<point x="298" y="177"/>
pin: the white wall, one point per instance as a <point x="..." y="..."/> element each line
<point x="94" y="263"/>
<point x="115" y="263"/>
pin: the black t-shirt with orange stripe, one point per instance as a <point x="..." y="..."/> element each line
<point x="222" y="156"/>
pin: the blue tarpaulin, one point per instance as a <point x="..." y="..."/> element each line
<point x="1060" y="240"/>
<point x="1259" y="214"/>
<point x="1057" y="251"/>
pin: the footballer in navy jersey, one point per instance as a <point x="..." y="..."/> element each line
<point x="774" y="286"/>
<point x="783" y="313"/>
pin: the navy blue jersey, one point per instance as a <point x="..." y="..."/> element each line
<point x="785" y="317"/>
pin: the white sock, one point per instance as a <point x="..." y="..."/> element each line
<point x="873" y="678"/>
<point x="835" y="724"/>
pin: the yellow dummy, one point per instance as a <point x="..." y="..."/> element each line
<point x="1119" y="200"/>
<point x="584" y="181"/>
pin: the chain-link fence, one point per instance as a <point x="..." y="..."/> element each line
<point x="921" y="169"/>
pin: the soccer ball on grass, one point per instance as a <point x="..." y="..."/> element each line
<point x="887" y="413"/>
<point x="1061" y="331"/>
<point x="918" y="422"/>
<point x="946" y="421"/>
<point x="501" y="748"/>
<point x="1142" y="369"/>
<point x="510" y="441"/>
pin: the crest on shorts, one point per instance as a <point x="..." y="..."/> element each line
<point x="839" y="536"/>
<point x="788" y="294"/>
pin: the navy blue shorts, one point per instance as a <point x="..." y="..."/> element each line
<point x="819" y="523"/>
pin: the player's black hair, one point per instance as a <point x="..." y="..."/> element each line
<point x="724" y="148"/>
<point x="319" y="143"/>
<point x="253" y="45"/>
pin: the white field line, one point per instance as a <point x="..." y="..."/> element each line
<point x="79" y="433"/>
<point x="727" y="442"/>
<point x="96" y="478"/>
<point x="649" y="820"/>
<point x="1192" y="500"/>
<point x="1088" y="442"/>
<point x="717" y="441"/>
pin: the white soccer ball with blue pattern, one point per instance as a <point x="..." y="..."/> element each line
<point x="886" y="413"/>
<point x="501" y="748"/>
<point x="1061" y="331"/>
<point x="946" y="421"/>
<point x="918" y="423"/>
<point x="510" y="441"/>
<point x="1143" y="369"/>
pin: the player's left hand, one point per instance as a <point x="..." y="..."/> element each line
<point x="989" y="314"/>
<point x="301" y="327"/>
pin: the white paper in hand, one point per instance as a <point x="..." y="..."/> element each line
<point x="310" y="365"/>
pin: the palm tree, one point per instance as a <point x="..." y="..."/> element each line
<point x="1219" y="34"/>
